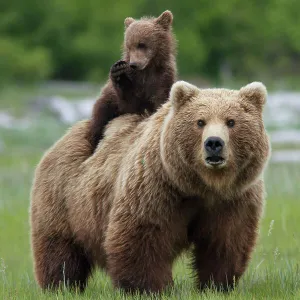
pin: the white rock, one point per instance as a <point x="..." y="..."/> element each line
<point x="8" y="121"/>
<point x="286" y="156"/>
<point x="291" y="136"/>
<point x="283" y="109"/>
<point x="71" y="111"/>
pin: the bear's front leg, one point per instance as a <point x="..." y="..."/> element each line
<point x="139" y="256"/>
<point x="224" y="240"/>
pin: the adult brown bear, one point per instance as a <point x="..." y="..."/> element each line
<point x="190" y="174"/>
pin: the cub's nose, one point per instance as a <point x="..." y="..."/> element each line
<point x="214" y="145"/>
<point x="133" y="65"/>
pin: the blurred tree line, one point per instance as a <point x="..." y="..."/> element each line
<point x="80" y="40"/>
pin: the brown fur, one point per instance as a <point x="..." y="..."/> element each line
<point x="144" y="88"/>
<point x="147" y="194"/>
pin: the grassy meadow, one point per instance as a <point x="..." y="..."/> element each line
<point x="272" y="274"/>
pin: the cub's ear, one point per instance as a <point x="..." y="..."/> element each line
<point x="128" y="21"/>
<point x="165" y="19"/>
<point x="181" y="92"/>
<point x="254" y="92"/>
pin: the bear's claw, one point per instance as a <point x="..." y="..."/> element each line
<point x="119" y="68"/>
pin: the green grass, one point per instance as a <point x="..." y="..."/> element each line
<point x="273" y="272"/>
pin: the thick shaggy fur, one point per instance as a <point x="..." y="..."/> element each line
<point x="148" y="193"/>
<point x="142" y="80"/>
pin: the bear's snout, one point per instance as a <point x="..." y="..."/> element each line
<point x="214" y="145"/>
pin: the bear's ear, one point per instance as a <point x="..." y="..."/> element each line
<point x="128" y="21"/>
<point x="254" y="92"/>
<point x="165" y="19"/>
<point x="181" y="92"/>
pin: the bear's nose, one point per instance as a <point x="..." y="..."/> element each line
<point x="133" y="65"/>
<point x="214" y="145"/>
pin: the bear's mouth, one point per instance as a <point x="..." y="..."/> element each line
<point x="215" y="160"/>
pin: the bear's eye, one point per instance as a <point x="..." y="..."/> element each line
<point x="230" y="123"/>
<point x="141" y="46"/>
<point x="200" y="123"/>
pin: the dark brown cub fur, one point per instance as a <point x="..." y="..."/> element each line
<point x="141" y="81"/>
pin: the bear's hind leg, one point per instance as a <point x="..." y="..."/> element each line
<point x="59" y="262"/>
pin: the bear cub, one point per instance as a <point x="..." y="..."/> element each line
<point x="141" y="81"/>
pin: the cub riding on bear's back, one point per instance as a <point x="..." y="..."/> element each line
<point x="140" y="82"/>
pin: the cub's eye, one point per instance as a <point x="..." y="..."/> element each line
<point x="141" y="46"/>
<point x="230" y="123"/>
<point x="200" y="123"/>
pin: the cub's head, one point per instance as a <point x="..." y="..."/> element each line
<point x="216" y="136"/>
<point x="148" y="41"/>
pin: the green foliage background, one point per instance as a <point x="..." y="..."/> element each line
<point x="80" y="40"/>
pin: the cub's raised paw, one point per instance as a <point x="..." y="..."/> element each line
<point x="119" y="68"/>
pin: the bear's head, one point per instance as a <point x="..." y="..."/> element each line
<point x="148" y="41"/>
<point x="215" y="137"/>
